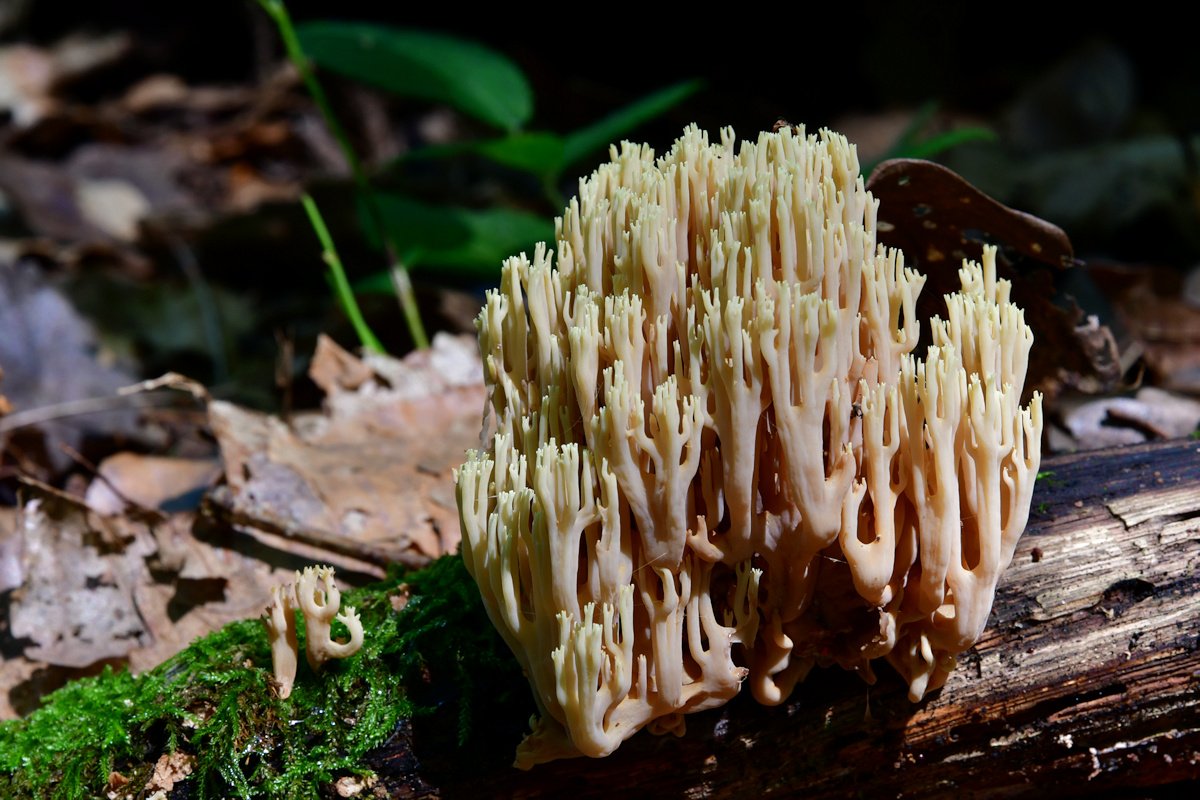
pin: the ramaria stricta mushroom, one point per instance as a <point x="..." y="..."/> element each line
<point x="717" y="459"/>
<point x="317" y="597"/>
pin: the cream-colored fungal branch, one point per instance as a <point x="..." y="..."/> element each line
<point x="717" y="458"/>
<point x="280" y="622"/>
<point x="318" y="598"/>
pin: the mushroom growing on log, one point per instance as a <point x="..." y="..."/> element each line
<point x="1085" y="684"/>
<point x="717" y="459"/>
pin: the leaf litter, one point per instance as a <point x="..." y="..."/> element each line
<point x="150" y="554"/>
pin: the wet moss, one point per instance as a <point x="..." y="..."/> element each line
<point x="436" y="659"/>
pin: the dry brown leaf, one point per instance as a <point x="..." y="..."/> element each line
<point x="937" y="218"/>
<point x="941" y="217"/>
<point x="372" y="476"/>
<point x="155" y="92"/>
<point x="10" y="550"/>
<point x="157" y="482"/>
<point x="29" y="75"/>
<point x="1152" y="414"/>
<point x="103" y="192"/>
<point x="161" y="163"/>
<point x="22" y="684"/>
<point x="49" y="356"/>
<point x="206" y="585"/>
<point x="75" y="603"/>
<point x="1160" y="314"/>
<point x="337" y="370"/>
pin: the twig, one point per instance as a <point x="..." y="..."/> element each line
<point x="169" y="380"/>
<point x="223" y="504"/>
<point x="126" y="396"/>
<point x="71" y="408"/>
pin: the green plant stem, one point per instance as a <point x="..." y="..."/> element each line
<point x="278" y="12"/>
<point x="340" y="282"/>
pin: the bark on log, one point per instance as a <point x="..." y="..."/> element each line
<point x="1087" y="681"/>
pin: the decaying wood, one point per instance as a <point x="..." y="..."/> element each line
<point x="1087" y="681"/>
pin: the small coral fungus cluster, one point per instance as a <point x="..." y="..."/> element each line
<point x="716" y="459"/>
<point x="316" y="595"/>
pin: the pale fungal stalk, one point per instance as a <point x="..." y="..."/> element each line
<point x="316" y="595"/>
<point x="280" y="622"/>
<point x="717" y="458"/>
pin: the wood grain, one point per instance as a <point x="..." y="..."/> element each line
<point x="1087" y="681"/>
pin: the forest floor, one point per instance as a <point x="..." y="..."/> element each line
<point x="185" y="420"/>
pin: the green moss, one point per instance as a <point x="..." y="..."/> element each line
<point x="437" y="659"/>
<point x="1047" y="479"/>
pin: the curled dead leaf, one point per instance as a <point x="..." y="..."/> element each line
<point x="937" y="218"/>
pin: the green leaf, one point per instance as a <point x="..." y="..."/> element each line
<point x="463" y="240"/>
<point x="537" y="152"/>
<point x="604" y="132"/>
<point x="935" y="145"/>
<point x="908" y="145"/>
<point x="908" y="137"/>
<point x="547" y="155"/>
<point x="415" y="227"/>
<point x="429" y="66"/>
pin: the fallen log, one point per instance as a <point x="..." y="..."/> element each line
<point x="1087" y="681"/>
